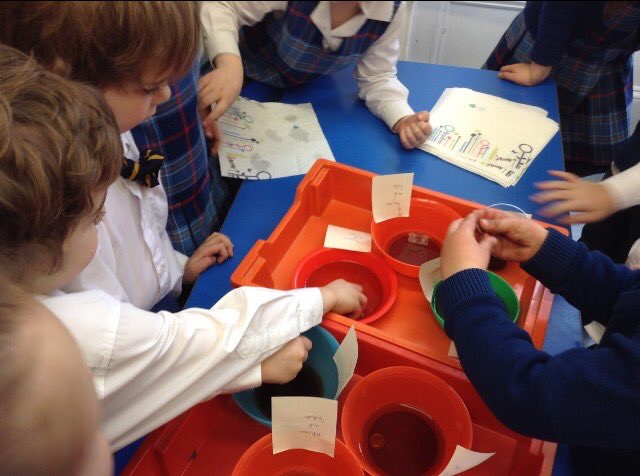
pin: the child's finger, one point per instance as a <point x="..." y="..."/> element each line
<point x="411" y="139"/>
<point x="423" y="116"/>
<point x="554" y="185"/>
<point x="509" y="76"/>
<point x="568" y="176"/>
<point x="551" y="196"/>
<point x="419" y="134"/>
<point x="213" y="249"/>
<point x="560" y="208"/>
<point x="403" y="139"/>
<point x="221" y="107"/>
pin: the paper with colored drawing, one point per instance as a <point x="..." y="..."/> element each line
<point x="269" y="140"/>
<point x="488" y="135"/>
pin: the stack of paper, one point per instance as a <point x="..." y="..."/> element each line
<point x="269" y="140"/>
<point x="488" y="135"/>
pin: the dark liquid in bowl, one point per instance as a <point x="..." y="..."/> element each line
<point x="401" y="441"/>
<point x="416" y="254"/>
<point x="306" y="384"/>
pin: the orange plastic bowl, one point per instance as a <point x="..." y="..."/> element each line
<point x="378" y="281"/>
<point x="407" y="387"/>
<point x="259" y="459"/>
<point x="426" y="217"/>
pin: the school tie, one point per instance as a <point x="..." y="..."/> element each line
<point x="145" y="171"/>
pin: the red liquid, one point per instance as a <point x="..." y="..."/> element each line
<point x="411" y="253"/>
<point x="354" y="273"/>
<point x="300" y="472"/>
<point x="401" y="441"/>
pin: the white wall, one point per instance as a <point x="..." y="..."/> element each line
<point x="464" y="34"/>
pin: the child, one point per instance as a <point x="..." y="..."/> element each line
<point x="610" y="207"/>
<point x="199" y="197"/>
<point x="588" y="47"/>
<point x="59" y="152"/>
<point x="285" y="44"/>
<point x="586" y="398"/>
<point x="124" y="56"/>
<point x="50" y="416"/>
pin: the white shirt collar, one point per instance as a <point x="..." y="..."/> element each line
<point x="321" y="17"/>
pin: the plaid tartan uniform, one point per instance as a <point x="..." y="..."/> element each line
<point x="594" y="80"/>
<point x="285" y="49"/>
<point x="199" y="197"/>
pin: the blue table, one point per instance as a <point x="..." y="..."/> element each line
<point x="358" y="138"/>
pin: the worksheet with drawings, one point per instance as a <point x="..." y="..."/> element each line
<point x="488" y="135"/>
<point x="270" y="140"/>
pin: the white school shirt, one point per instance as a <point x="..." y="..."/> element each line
<point x="375" y="72"/>
<point x="149" y="368"/>
<point x="135" y="261"/>
<point x="624" y="188"/>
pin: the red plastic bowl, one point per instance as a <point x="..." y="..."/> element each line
<point x="379" y="282"/>
<point x="259" y="459"/>
<point x="414" y="388"/>
<point x="426" y="217"/>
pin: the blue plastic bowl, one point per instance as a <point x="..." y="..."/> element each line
<point x="320" y="358"/>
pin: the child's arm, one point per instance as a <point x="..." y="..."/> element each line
<point x="149" y="368"/>
<point x="221" y="23"/>
<point x="556" y="23"/>
<point x="580" y="397"/>
<point x="588" y="280"/>
<point x="385" y="96"/>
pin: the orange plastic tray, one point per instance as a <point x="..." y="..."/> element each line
<point x="337" y="194"/>
<point x="210" y="438"/>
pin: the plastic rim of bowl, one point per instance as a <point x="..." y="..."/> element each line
<point x="502" y="289"/>
<point x="391" y="382"/>
<point x="381" y="239"/>
<point x="376" y="265"/>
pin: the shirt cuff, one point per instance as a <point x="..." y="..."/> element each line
<point x="252" y="378"/>
<point x="621" y="187"/>
<point x="393" y="111"/>
<point x="221" y="42"/>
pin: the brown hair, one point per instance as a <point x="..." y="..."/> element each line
<point x="59" y="142"/>
<point x="105" y="43"/>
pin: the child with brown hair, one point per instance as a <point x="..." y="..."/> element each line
<point x="115" y="46"/>
<point x="50" y="415"/>
<point x="59" y="152"/>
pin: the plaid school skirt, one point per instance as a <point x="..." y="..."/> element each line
<point x="199" y="197"/>
<point x="594" y="97"/>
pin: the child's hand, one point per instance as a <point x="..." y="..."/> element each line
<point x="525" y="74"/>
<point x="592" y="200"/>
<point x="216" y="248"/>
<point x="343" y="298"/>
<point x="284" y="365"/>
<point x="413" y="130"/>
<point x="517" y="238"/>
<point x="462" y="249"/>
<point x="219" y="88"/>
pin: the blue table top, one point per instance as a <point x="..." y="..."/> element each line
<point x="360" y="139"/>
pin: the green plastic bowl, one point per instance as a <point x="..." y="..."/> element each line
<point x="502" y="289"/>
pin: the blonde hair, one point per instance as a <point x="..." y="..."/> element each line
<point x="59" y="144"/>
<point x="105" y="43"/>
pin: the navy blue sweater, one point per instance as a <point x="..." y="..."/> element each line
<point x="582" y="397"/>
<point x="554" y="24"/>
